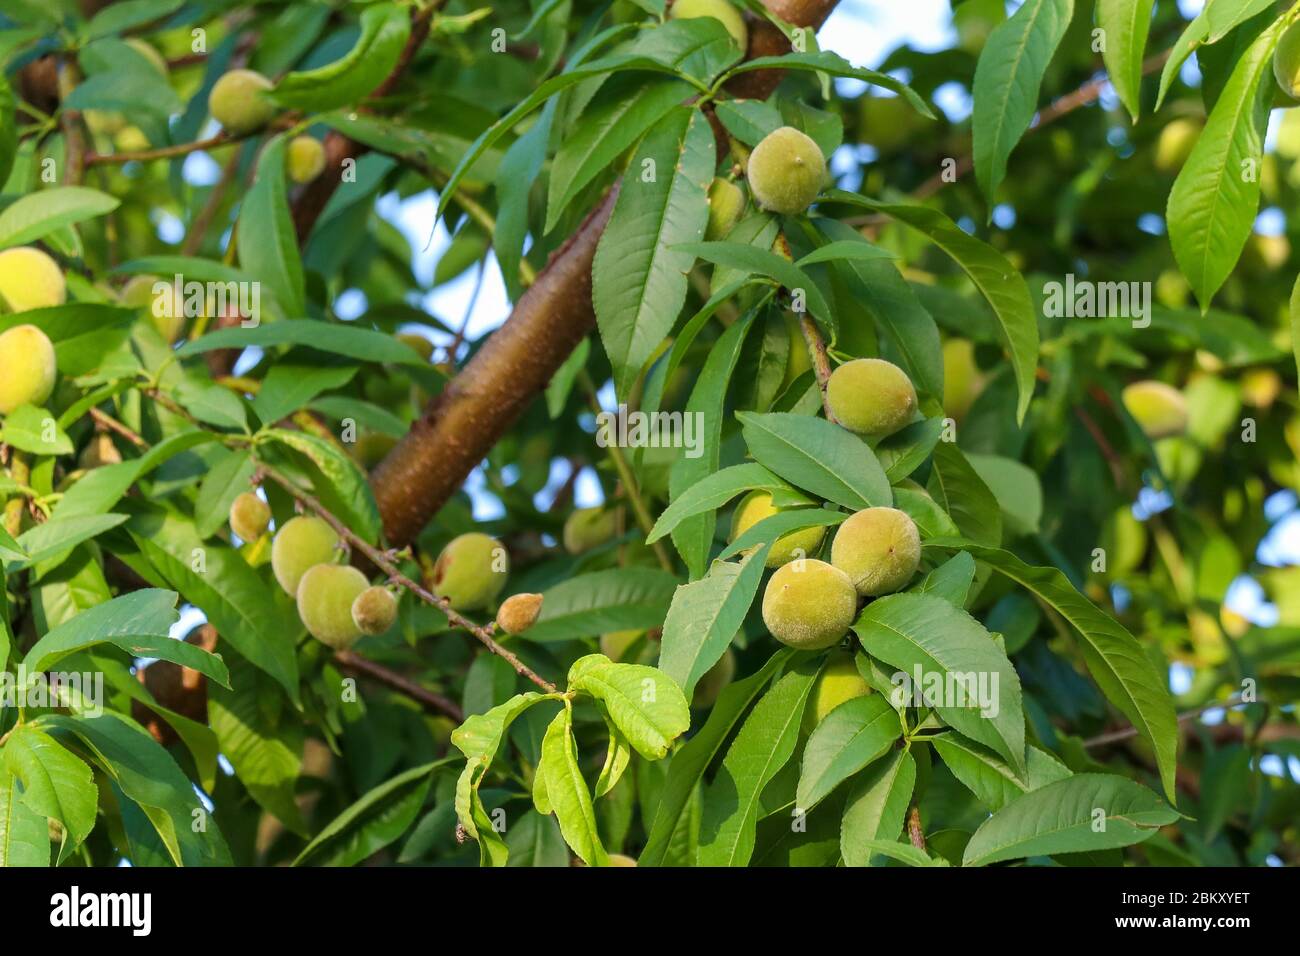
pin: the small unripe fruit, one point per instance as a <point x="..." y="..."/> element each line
<point x="29" y="279"/>
<point x="1260" y="387"/>
<point x="1159" y="409"/>
<point x="305" y="159"/>
<point x="588" y="528"/>
<point x="715" y="678"/>
<point x="1286" y="62"/>
<point x="325" y="597"/>
<point x="619" y="859"/>
<point x="962" y="380"/>
<point x="145" y="49"/>
<point x="303" y="542"/>
<point x="238" y="101"/>
<point x="616" y="644"/>
<point x="809" y="604"/>
<point x="250" y="516"/>
<point x="371" y="447"/>
<point x="130" y="139"/>
<point x="471" y="571"/>
<point x="726" y="203"/>
<point x="720" y="10"/>
<point x="879" y="549"/>
<point x="101" y="451"/>
<point x="519" y="612"/>
<point x="1175" y="143"/>
<point x="838" y="681"/>
<point x="167" y="317"/>
<point x="27" y="367"/>
<point x="786" y="171"/>
<point x="756" y="506"/>
<point x="871" y="397"/>
<point x="374" y="610"/>
<point x="799" y="361"/>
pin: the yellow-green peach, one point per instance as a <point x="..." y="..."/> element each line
<point x="879" y="549"/>
<point x="809" y="604"/>
<point x="471" y="571"/>
<point x="325" y="597"/>
<point x="303" y="542"/>
<point x="756" y="506"/>
<point x="871" y="397"/>
<point x="28" y="367"/>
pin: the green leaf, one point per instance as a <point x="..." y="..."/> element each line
<point x="570" y="800"/>
<point x="980" y="690"/>
<point x="1115" y="659"/>
<point x="535" y="840"/>
<point x="265" y="239"/>
<point x="1007" y="80"/>
<point x="851" y="736"/>
<point x="824" y="61"/>
<point x="24" y="833"/>
<point x="60" y="535"/>
<point x="704" y="617"/>
<point x="903" y="853"/>
<point x="1213" y="203"/>
<point x="374" y="821"/>
<point x="1294" y="309"/>
<point x="989" y="777"/>
<point x="8" y="147"/>
<point x="138" y="623"/>
<point x="1193" y="35"/>
<point x="149" y="777"/>
<point x="960" y="491"/>
<point x="384" y="32"/>
<point x="907" y="449"/>
<point x="780" y="524"/>
<point x="56" y="784"/>
<point x="817" y="456"/>
<point x="714" y="492"/>
<point x="1226" y="784"/>
<point x="858" y="250"/>
<point x="638" y="278"/>
<point x="234" y="597"/>
<point x="38" y="214"/>
<point x="1125" y="24"/>
<point x="764" y="745"/>
<point x="1017" y="489"/>
<point x="1085" y="812"/>
<point x="624" y="109"/>
<point x="262" y="744"/>
<point x="35" y="430"/>
<point x="289" y="386"/>
<point x="358" y="343"/>
<point x="228" y="479"/>
<point x="693" y="538"/>
<point x="991" y="272"/>
<point x="615" y="599"/>
<point x="338" y="482"/>
<point x="951" y="580"/>
<point x="688" y="764"/>
<point x="748" y="259"/>
<point x="648" y="708"/>
<point x="211" y="403"/>
<point x="104" y="487"/>
<point x="877" y="807"/>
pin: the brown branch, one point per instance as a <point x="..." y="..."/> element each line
<point x="436" y="703"/>
<point x="460" y="426"/>
<point x="167" y="152"/>
<point x="106" y="420"/>
<point x="384" y="561"/>
<point x="1115" y="736"/>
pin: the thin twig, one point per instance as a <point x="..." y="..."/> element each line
<point x="1115" y="736"/>
<point x="821" y="362"/>
<point x="167" y="152"/>
<point x="384" y="562"/>
<point x="400" y="683"/>
<point x="108" y="421"/>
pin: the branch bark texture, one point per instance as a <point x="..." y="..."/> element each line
<point x="459" y="426"/>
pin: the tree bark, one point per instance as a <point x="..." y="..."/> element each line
<point x="459" y="426"/>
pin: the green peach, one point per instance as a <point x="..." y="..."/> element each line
<point x="720" y="10"/>
<point x="325" y="597"/>
<point x="1159" y="409"/>
<point x="838" y="682"/>
<point x="28" y="367"/>
<point x="871" y="397"/>
<point x="374" y="610"/>
<point x="786" y="171"/>
<point x="756" y="506"/>
<point x="879" y="549"/>
<point x="471" y="571"/>
<point x="809" y="604"/>
<point x="238" y="101"/>
<point x="303" y="543"/>
<point x="30" y="279"/>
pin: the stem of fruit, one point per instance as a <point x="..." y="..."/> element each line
<point x="383" y="561"/>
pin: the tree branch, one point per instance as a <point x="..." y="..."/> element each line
<point x="436" y="703"/>
<point x="459" y="426"/>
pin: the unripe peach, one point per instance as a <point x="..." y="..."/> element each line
<point x="29" y="279"/>
<point x="1159" y="409"/>
<point x="418" y="343"/>
<point x="878" y="548"/>
<point x="838" y="681"/>
<point x="27" y="367"/>
<point x="871" y="397"/>
<point x="720" y="10"/>
<point x="374" y="610"/>
<point x="799" y="361"/>
<point x="756" y="506"/>
<point x="167" y="316"/>
<point x="305" y="159"/>
<point x="471" y="571"/>
<point x="99" y="452"/>
<point x="1175" y="143"/>
<point x="616" y="644"/>
<point x="1286" y="62"/>
<point x="786" y="171"/>
<point x="809" y="604"/>
<point x="303" y="542"/>
<point x="962" y="381"/>
<point x="588" y="528"/>
<point x="147" y="50"/>
<point x="325" y="597"/>
<point x="519" y="612"/>
<point x="238" y="101"/>
<point x="726" y="204"/>
<point x="250" y="516"/>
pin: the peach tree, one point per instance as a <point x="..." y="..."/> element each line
<point x="873" y="466"/>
